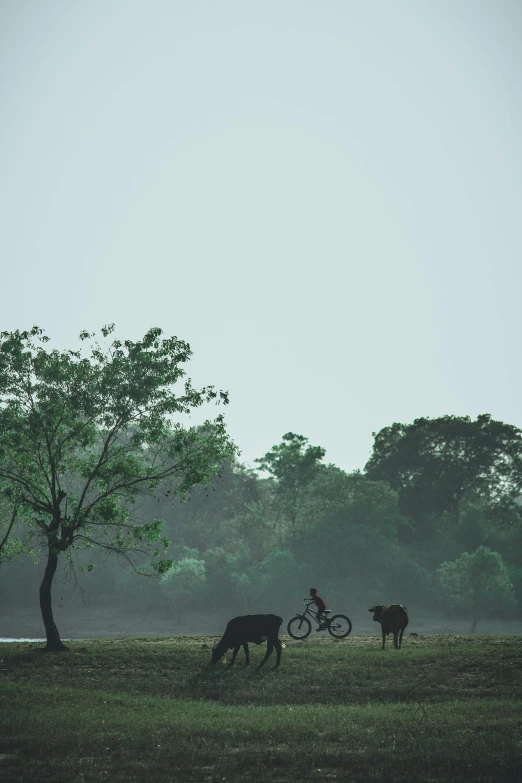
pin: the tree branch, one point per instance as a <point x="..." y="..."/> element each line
<point x="38" y="505"/>
<point x="13" y="519"/>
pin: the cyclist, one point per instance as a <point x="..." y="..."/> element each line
<point x="321" y="606"/>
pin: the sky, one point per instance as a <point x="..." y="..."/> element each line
<point x="322" y="198"/>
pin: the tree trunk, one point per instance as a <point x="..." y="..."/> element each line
<point x="473" y="625"/>
<point x="54" y="643"/>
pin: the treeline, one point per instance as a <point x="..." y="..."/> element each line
<point x="95" y="462"/>
<point x="436" y="525"/>
<point x="434" y="521"/>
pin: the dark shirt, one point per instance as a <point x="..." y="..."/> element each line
<point x="321" y="606"/>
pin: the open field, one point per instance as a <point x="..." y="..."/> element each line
<point x="442" y="708"/>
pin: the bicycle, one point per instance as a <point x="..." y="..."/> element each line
<point x="339" y="626"/>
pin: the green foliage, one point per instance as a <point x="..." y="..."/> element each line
<point x="10" y="547"/>
<point x="434" y="463"/>
<point x="478" y="583"/>
<point x="84" y="435"/>
<point x="207" y="520"/>
<point x="293" y="465"/>
<point x="473" y="526"/>
<point x="352" y="527"/>
<point x="372" y="504"/>
<point x="282" y="577"/>
<point x="184" y="580"/>
<point x="228" y="580"/>
<point x="403" y="578"/>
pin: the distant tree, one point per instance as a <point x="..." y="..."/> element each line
<point x="478" y="583"/>
<point x="434" y="463"/>
<point x="254" y="526"/>
<point x="184" y="581"/>
<point x="224" y="566"/>
<point x="245" y="589"/>
<point x="199" y="523"/>
<point x="293" y="464"/>
<point x="84" y="435"/>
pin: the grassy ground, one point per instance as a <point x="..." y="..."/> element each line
<point x="440" y="709"/>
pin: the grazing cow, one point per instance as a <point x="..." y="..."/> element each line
<point x="393" y="619"/>
<point x="255" y="628"/>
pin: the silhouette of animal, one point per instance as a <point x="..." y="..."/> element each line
<point x="254" y="628"/>
<point x="393" y="619"/>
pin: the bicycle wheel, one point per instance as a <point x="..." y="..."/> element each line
<point x="299" y="627"/>
<point x="339" y="626"/>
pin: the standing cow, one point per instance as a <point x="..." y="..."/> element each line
<point x="255" y="628"/>
<point x="393" y="619"/>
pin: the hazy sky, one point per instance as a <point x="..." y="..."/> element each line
<point x="323" y="198"/>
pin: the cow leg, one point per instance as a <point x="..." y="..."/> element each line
<point x="247" y="656"/>
<point x="383" y="640"/>
<point x="236" y="650"/>
<point x="400" y="637"/>
<point x="269" y="650"/>
<point x="396" y="639"/>
<point x="278" y="647"/>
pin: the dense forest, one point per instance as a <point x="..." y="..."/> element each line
<point x="433" y="520"/>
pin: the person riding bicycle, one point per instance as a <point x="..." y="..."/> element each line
<point x="300" y="627"/>
<point x="321" y="606"/>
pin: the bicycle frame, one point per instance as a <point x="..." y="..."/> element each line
<point x="307" y="602"/>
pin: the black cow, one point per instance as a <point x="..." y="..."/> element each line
<point x="255" y="628"/>
<point x="393" y="619"/>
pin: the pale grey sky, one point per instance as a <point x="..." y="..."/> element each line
<point x="323" y="198"/>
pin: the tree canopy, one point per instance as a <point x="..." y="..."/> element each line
<point x="433" y="463"/>
<point x="293" y="464"/>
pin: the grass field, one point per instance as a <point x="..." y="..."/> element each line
<point x="439" y="709"/>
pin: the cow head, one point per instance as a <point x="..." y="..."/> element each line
<point x="377" y="613"/>
<point x="218" y="652"/>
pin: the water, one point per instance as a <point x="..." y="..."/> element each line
<point x="31" y="640"/>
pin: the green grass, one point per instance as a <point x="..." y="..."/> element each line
<point x="440" y="709"/>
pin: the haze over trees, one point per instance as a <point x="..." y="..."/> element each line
<point x="478" y="583"/>
<point x="96" y="457"/>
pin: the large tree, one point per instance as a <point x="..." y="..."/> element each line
<point x="294" y="465"/>
<point x="434" y="463"/>
<point x="85" y="432"/>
